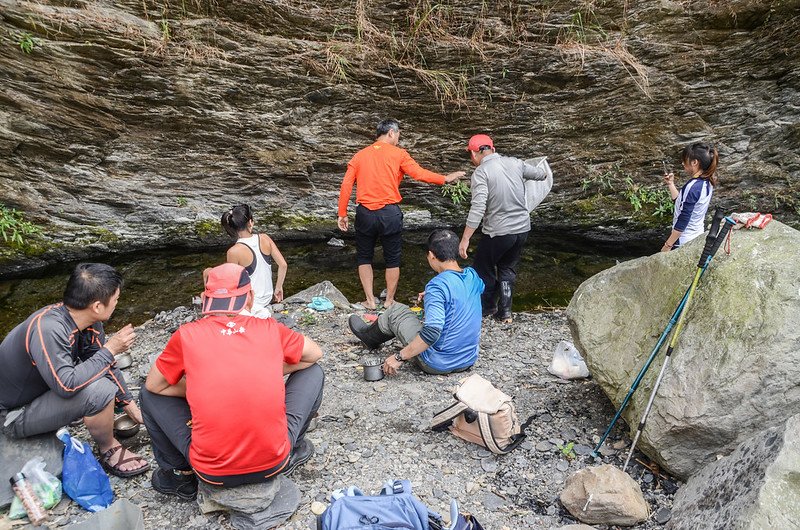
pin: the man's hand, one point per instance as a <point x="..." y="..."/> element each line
<point x="463" y="245"/>
<point x="420" y="296"/>
<point x="132" y="410"/>
<point x="391" y="365"/>
<point x="669" y="178"/>
<point x="455" y="175"/>
<point x="121" y="341"/>
<point x="343" y="223"/>
<point x="278" y="294"/>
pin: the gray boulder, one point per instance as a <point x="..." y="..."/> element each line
<point x="326" y="289"/>
<point x="754" y="487"/>
<point x="736" y="367"/>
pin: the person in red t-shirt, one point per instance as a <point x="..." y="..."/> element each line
<point x="215" y="404"/>
<point x="377" y="171"/>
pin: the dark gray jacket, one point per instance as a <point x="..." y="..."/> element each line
<point x="48" y="352"/>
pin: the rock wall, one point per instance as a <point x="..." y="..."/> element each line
<point x="135" y="124"/>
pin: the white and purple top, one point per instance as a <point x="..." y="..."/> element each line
<point x="691" y="206"/>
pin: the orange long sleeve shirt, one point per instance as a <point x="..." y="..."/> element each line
<point x="377" y="171"/>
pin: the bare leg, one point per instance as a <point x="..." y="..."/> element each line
<point x="392" y="279"/>
<point x="101" y="427"/>
<point x="365" y="275"/>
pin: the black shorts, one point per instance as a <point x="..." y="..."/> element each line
<point x="386" y="224"/>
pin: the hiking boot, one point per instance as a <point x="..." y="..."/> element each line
<point x="370" y="334"/>
<point x="301" y="454"/>
<point x="172" y="483"/>
<point x="504" y="304"/>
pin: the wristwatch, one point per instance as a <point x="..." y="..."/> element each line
<point x="398" y="357"/>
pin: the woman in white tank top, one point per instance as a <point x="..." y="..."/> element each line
<point x="255" y="252"/>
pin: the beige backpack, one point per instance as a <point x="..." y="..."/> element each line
<point x="483" y="415"/>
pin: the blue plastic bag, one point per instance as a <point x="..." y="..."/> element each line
<point x="320" y="303"/>
<point x="83" y="479"/>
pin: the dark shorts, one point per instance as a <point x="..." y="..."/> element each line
<point x="386" y="224"/>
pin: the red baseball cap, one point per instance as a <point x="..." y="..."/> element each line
<point x="226" y="289"/>
<point x="478" y="141"/>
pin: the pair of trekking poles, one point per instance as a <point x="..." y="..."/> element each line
<point x="714" y="240"/>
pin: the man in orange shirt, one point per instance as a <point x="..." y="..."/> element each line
<point x="378" y="170"/>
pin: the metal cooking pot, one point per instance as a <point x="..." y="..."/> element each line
<point x="373" y="369"/>
<point x="124" y="426"/>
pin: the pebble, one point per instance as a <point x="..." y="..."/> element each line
<point x="489" y="465"/>
<point x="353" y="458"/>
<point x="647" y="478"/>
<point x="581" y="449"/>
<point x="562" y="465"/>
<point x="317" y="508"/>
<point x="388" y="407"/>
<point x="662" y="515"/>
<point x="544" y="446"/>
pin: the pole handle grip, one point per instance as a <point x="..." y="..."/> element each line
<point x="712" y="236"/>
<point x="709" y="253"/>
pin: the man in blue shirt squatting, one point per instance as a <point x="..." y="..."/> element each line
<point x="448" y="340"/>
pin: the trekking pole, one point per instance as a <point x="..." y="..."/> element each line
<point x="705" y="259"/>
<point x="712" y="235"/>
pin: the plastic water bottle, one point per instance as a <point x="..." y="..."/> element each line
<point x="33" y="506"/>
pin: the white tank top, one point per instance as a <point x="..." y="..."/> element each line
<point x="260" y="277"/>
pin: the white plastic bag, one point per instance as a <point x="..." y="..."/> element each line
<point x="46" y="486"/>
<point x="537" y="190"/>
<point x="567" y="362"/>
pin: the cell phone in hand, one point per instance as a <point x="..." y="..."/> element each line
<point x="666" y="169"/>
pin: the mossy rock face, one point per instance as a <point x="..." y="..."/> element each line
<point x="736" y="365"/>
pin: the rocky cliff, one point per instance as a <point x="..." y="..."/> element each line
<point x="134" y="124"/>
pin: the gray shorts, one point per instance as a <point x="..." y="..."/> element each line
<point x="49" y="412"/>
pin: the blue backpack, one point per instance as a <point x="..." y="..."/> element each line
<point x="395" y="507"/>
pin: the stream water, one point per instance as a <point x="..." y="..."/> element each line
<point x="552" y="267"/>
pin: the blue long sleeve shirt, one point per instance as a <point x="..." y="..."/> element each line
<point x="453" y="304"/>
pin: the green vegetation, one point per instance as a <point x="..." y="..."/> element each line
<point x="457" y="191"/>
<point x="27" y="43"/>
<point x="610" y="184"/>
<point x="307" y="319"/>
<point x="182" y="202"/>
<point x="14" y="228"/>
<point x="639" y="195"/>
<point x="567" y="451"/>
<point x="207" y="227"/>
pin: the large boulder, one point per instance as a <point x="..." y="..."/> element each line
<point x="756" y="486"/>
<point x="736" y="367"/>
<point x="604" y="495"/>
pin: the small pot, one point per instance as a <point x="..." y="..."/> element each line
<point x="123" y="360"/>
<point x="373" y="369"/>
<point x="124" y="426"/>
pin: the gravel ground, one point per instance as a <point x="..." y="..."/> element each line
<point x="371" y="432"/>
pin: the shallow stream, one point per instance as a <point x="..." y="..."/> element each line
<point x="552" y="267"/>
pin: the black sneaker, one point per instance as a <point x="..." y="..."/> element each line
<point x="301" y="454"/>
<point x="178" y="484"/>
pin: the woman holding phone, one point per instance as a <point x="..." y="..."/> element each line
<point x="692" y="200"/>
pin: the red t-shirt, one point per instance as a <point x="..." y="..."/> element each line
<point x="234" y="386"/>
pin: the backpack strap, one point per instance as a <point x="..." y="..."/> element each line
<point x="444" y="418"/>
<point x="491" y="442"/>
<point x="396" y="487"/>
